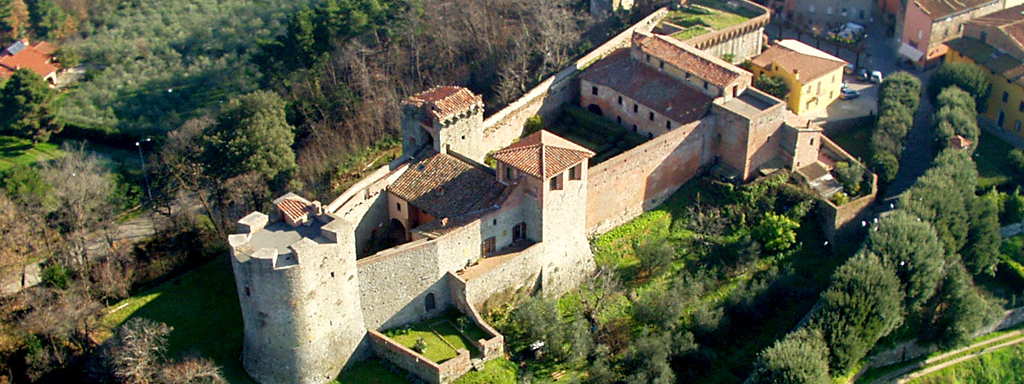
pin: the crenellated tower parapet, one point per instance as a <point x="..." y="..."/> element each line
<point x="298" y="289"/>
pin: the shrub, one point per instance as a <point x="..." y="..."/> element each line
<point x="776" y="232"/>
<point x="420" y="345"/>
<point x="799" y="358"/>
<point x="533" y="124"/>
<point x="55" y="275"/>
<point x="886" y="165"/>
<point x="772" y="85"/>
<point x="655" y="255"/>
<point x="1017" y="160"/>
<point x="910" y="247"/>
<point x="851" y="176"/>
<point x="840" y="198"/>
<point x="1013" y="208"/>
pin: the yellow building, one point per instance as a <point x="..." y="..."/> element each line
<point x="994" y="43"/>
<point x="813" y="76"/>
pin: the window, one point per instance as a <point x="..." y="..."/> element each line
<point x="705" y="84"/>
<point x="828" y="10"/>
<point x="398" y="206"/>
<point x="811" y="8"/>
<point x="519" y="231"/>
<point x="555" y="183"/>
<point x="634" y="127"/>
<point x="430" y="302"/>
<point x="574" y="172"/>
<point x="620" y="100"/>
<point x="687" y="75"/>
<point x="509" y="173"/>
<point x="920" y="34"/>
<point x="1020" y="108"/>
<point x="636" y="108"/>
<point x="650" y="116"/>
<point x="812" y="141"/>
<point x="593" y="91"/>
<point x="668" y="124"/>
<point x="247" y="292"/>
<point x="487" y="247"/>
<point x="332" y="275"/>
<point x="1001" y="119"/>
<point x="648" y="57"/>
<point x="984" y="35"/>
<point x="1006" y="96"/>
<point x="661" y="65"/>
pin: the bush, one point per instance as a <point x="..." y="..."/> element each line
<point x="911" y="248"/>
<point x="1013" y="208"/>
<point x="776" y="232"/>
<point x="55" y="275"/>
<point x="799" y="358"/>
<point x="969" y="77"/>
<point x="772" y="85"/>
<point x="1017" y="161"/>
<point x="655" y="255"/>
<point x="851" y="176"/>
<point x="533" y="124"/>
<point x="886" y="165"/>
<point x="420" y="345"/>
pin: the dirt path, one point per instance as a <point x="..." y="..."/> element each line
<point x="913" y="371"/>
<point x="958" y="360"/>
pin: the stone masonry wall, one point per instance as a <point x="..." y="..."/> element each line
<point x="520" y="271"/>
<point x="417" y="364"/>
<point x="393" y="285"/>
<point x="505" y="126"/>
<point x="743" y="40"/>
<point x="494" y="345"/>
<point x="839" y="222"/>
<point x="626" y="185"/>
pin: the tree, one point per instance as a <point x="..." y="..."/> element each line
<point x="851" y="176"/>
<point x="25" y="101"/>
<point x="959" y="311"/>
<point x="538" y="320"/>
<point x="1013" y="207"/>
<point x="191" y="370"/>
<point x="777" y="232"/>
<point x="251" y="134"/>
<point x="772" y="85"/>
<point x="47" y="19"/>
<point x="137" y="350"/>
<point x="14" y="19"/>
<point x="647" y="360"/>
<point x="983" y="238"/>
<point x="910" y="247"/>
<point x="886" y="165"/>
<point x="799" y="358"/>
<point x="943" y="197"/>
<point x="81" y="189"/>
<point x="655" y="255"/>
<point x="863" y="304"/>
<point x="27" y="240"/>
<point x="968" y="77"/>
<point x="900" y="88"/>
<point x="1017" y="160"/>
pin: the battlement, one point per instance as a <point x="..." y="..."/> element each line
<point x="281" y="244"/>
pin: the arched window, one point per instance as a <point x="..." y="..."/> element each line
<point x="430" y="302"/>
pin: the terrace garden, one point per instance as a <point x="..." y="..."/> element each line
<point x="703" y="16"/>
<point x="440" y="338"/>
<point x="594" y="132"/>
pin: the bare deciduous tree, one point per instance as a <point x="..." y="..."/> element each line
<point x="191" y="370"/>
<point x="137" y="351"/>
<point x="81" y="187"/>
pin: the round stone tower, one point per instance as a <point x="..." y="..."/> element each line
<point x="299" y="292"/>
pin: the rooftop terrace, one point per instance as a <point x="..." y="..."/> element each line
<point x="750" y="103"/>
<point x="279" y="235"/>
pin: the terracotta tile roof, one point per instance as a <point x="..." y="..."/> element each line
<point x="992" y="59"/>
<point x="712" y="69"/>
<point x="937" y="9"/>
<point x="653" y="89"/>
<point x="959" y="142"/>
<point x="808" y="65"/>
<point x="1009" y="21"/>
<point x="445" y="186"/>
<point x="292" y="208"/>
<point x="35" y="58"/>
<point x="543" y="154"/>
<point x="446" y="101"/>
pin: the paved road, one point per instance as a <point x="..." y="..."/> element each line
<point x="918" y="150"/>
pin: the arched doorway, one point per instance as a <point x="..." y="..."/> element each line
<point x="396" y="232"/>
<point x="430" y="302"/>
<point x="595" y="109"/>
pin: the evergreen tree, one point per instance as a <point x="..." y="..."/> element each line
<point x="47" y="18"/>
<point x="968" y="77"/>
<point x="983" y="239"/>
<point x="25" y="101"/>
<point x="863" y="304"/>
<point x="959" y="311"/>
<point x="251" y="135"/>
<point x="910" y="247"/>
<point x="799" y="358"/>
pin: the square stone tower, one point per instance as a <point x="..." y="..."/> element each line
<point x="448" y="119"/>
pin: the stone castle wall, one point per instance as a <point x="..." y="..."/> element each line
<point x="394" y="284"/>
<point x="494" y="346"/>
<point x="546" y="99"/>
<point x="417" y="364"/>
<point x="842" y="221"/>
<point x="639" y="179"/>
<point x="366" y="203"/>
<point x="743" y="40"/>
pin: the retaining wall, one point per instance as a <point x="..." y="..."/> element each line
<point x="417" y="364"/>
<point x="840" y="222"/>
<point x="744" y="40"/>
<point x="493" y="346"/>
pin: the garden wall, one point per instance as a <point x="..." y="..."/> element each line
<point x="514" y="272"/>
<point x="841" y="222"/>
<point x="1012" y="230"/>
<point x="639" y="179"/>
<point x="505" y="126"/>
<point x="744" y="40"/>
<point x="494" y="346"/>
<point x="417" y="364"/>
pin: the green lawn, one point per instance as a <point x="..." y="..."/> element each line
<point x="994" y="167"/>
<point x="437" y="350"/>
<point x="1002" y="366"/>
<point x="16" y="151"/>
<point x="497" y="371"/>
<point x="855" y="141"/>
<point x="372" y="371"/>
<point x="202" y="306"/>
<point x="719" y="15"/>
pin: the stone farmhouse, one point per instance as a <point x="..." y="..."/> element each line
<point x="437" y="230"/>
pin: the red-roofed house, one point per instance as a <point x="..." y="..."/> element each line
<point x="38" y="58"/>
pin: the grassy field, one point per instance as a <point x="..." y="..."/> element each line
<point x="993" y="164"/>
<point x="855" y="141"/>
<point x="372" y="371"/>
<point x="1002" y="366"/>
<point x="202" y="306"/>
<point x="705" y="16"/>
<point x="16" y="151"/>
<point x="437" y="350"/>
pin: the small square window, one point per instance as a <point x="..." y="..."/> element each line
<point x="574" y="172"/>
<point x="650" y="116"/>
<point x="668" y="124"/>
<point x="593" y="91"/>
<point x="661" y="65"/>
<point x="1006" y="96"/>
<point x="618" y="119"/>
<point x="705" y="85"/>
<point x="636" y="108"/>
<point x="555" y="183"/>
<point x="398" y="206"/>
<point x="1020" y="108"/>
<point x="620" y="100"/>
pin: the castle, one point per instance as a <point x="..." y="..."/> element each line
<point x="438" y="230"/>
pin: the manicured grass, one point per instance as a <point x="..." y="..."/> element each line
<point x="16" y="151"/>
<point x="497" y="371"/>
<point x="1002" y="366"/>
<point x="855" y="141"/>
<point x="372" y="371"/>
<point x="994" y="167"/>
<point x="720" y="16"/>
<point x="202" y="306"/>
<point x="437" y="350"/>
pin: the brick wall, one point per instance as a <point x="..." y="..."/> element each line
<point x="626" y="185"/>
<point x="417" y="364"/>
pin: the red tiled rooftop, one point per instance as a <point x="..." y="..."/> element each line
<point x="543" y="154"/>
<point x="293" y="209"/>
<point x="705" y="66"/>
<point x="937" y="9"/>
<point x="445" y="186"/>
<point x="655" y="90"/>
<point x="445" y="101"/>
<point x="808" y="66"/>
<point x="34" y="58"/>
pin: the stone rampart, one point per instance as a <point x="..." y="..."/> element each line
<point x="839" y="222"/>
<point x="546" y="99"/>
<point x="639" y="179"/>
<point x="366" y="203"/>
<point x="514" y="271"/>
<point x="417" y="364"/>
<point x="743" y="40"/>
<point x="394" y="284"/>
<point x="494" y="345"/>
